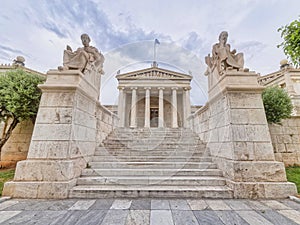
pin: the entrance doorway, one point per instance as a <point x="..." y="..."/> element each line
<point x="153" y="117"/>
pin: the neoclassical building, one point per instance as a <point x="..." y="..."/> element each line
<point x="288" y="78"/>
<point x="79" y="148"/>
<point x="154" y="97"/>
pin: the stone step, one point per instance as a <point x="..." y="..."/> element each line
<point x="151" y="163"/>
<point x="152" y="138"/>
<point x="153" y="153"/>
<point x="151" y="129"/>
<point x="108" y="172"/>
<point x="154" y="134"/>
<point x="156" y="144"/>
<point x="157" y="165"/>
<point x="120" y="191"/>
<point x="151" y="144"/>
<point x="153" y="149"/>
<point x="126" y="152"/>
<point x="145" y="180"/>
<point x="111" y="158"/>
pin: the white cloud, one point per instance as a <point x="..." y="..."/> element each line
<point x="169" y="55"/>
<point x="40" y="30"/>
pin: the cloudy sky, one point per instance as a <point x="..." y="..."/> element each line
<point x="124" y="31"/>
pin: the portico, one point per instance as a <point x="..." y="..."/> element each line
<point x="153" y="97"/>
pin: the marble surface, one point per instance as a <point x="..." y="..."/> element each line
<point x="149" y="211"/>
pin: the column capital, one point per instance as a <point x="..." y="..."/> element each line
<point x="161" y="88"/>
<point x="133" y="88"/>
<point x="187" y="88"/>
<point x="147" y="88"/>
<point x="174" y="88"/>
<point x="121" y="88"/>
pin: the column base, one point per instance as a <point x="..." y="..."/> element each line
<point x="36" y="189"/>
<point x="262" y="190"/>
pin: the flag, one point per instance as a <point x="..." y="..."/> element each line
<point x="157" y="42"/>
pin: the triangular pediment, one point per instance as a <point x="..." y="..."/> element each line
<point x="154" y="73"/>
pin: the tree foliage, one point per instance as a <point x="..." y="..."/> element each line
<point x="277" y="103"/>
<point x="19" y="99"/>
<point x="291" y="41"/>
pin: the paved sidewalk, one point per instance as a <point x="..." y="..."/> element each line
<point x="149" y="211"/>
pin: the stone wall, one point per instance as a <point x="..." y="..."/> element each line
<point x="286" y="141"/>
<point x="235" y="129"/>
<point x="16" y="148"/>
<point x="64" y="137"/>
<point x="199" y="122"/>
<point x="106" y="122"/>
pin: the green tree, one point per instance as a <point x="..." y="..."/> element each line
<point x="277" y="103"/>
<point x="291" y="41"/>
<point x="19" y="99"/>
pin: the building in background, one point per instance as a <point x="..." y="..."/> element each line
<point x="16" y="148"/>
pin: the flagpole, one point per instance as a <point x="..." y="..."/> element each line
<point x="154" y="52"/>
<point x="156" y="42"/>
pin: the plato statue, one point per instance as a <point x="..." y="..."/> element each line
<point x="84" y="59"/>
<point x="223" y="58"/>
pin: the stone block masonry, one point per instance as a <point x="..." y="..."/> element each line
<point x="64" y="136"/>
<point x="286" y="140"/>
<point x="16" y="148"/>
<point x="234" y="126"/>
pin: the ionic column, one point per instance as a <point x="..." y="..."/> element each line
<point x="133" y="108"/>
<point x="187" y="105"/>
<point x="147" y="107"/>
<point x="174" y="111"/>
<point x="161" y="107"/>
<point x="121" y="107"/>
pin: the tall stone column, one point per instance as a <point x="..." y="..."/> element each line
<point x="187" y="105"/>
<point x="174" y="107"/>
<point x="121" y="107"/>
<point x="64" y="137"/>
<point x="161" y="107"/>
<point x="239" y="140"/>
<point x="133" y="107"/>
<point x="147" y="107"/>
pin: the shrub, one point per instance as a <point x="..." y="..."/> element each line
<point x="277" y="103"/>
<point x="19" y="99"/>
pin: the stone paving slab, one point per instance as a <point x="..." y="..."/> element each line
<point x="149" y="212"/>
<point x="160" y="204"/>
<point x="138" y="217"/>
<point x="276" y="218"/>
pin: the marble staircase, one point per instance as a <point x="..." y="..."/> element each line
<point x="151" y="162"/>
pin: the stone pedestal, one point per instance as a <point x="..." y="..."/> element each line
<point x="64" y="137"/>
<point x="239" y="138"/>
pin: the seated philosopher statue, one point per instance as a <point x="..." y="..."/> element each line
<point x="223" y="58"/>
<point x="84" y="59"/>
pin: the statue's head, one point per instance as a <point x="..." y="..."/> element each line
<point x="85" y="40"/>
<point x="223" y="36"/>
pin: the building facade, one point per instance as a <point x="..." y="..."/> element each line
<point x="154" y="97"/>
<point x="286" y="135"/>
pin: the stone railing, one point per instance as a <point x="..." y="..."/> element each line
<point x="106" y="122"/>
<point x="199" y="122"/>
